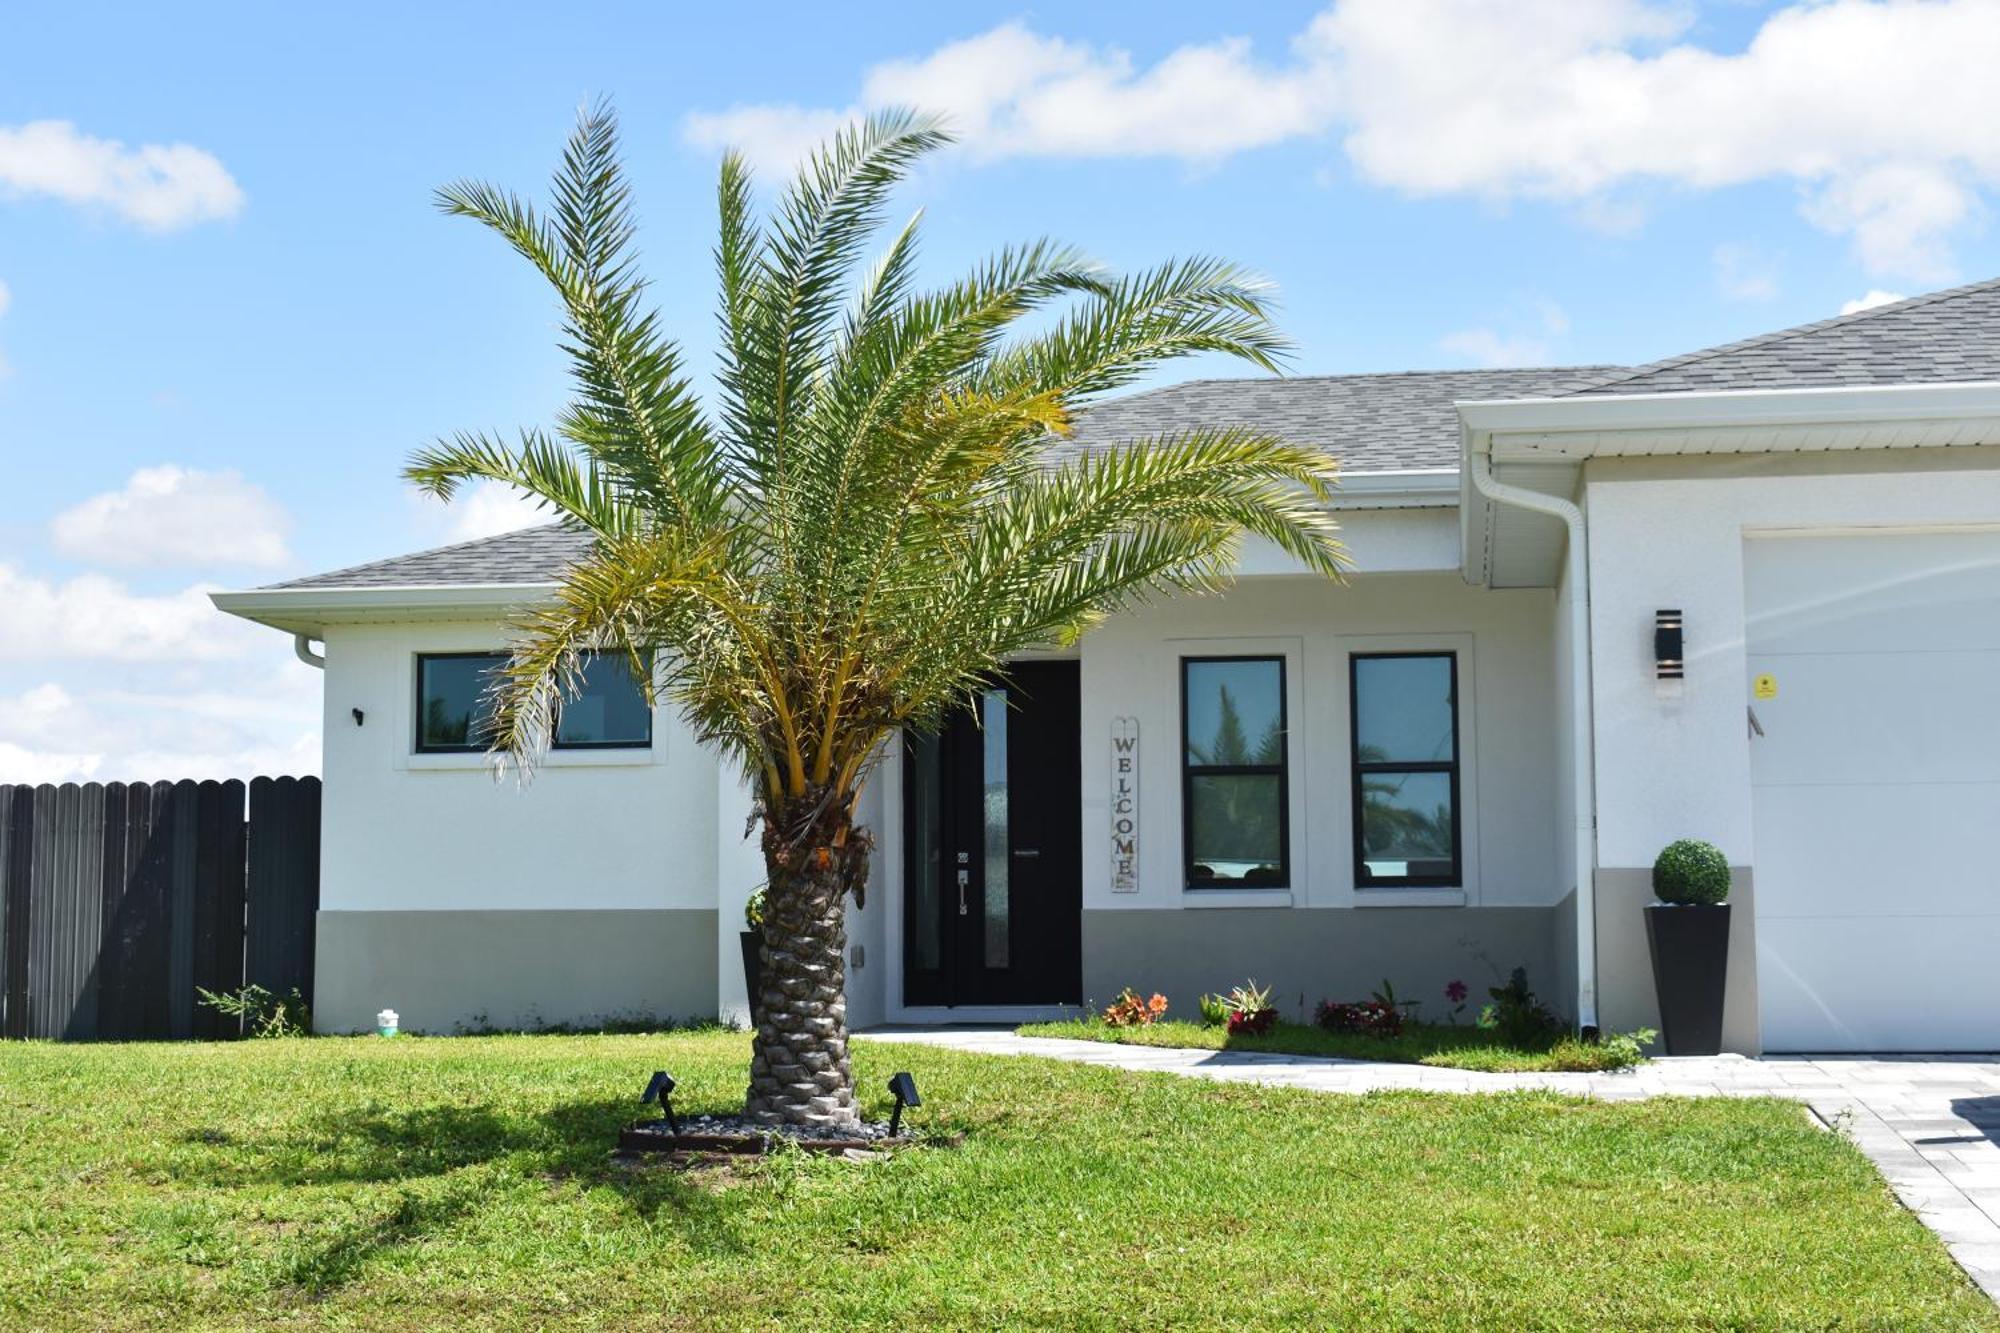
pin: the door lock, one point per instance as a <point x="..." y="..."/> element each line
<point x="964" y="877"/>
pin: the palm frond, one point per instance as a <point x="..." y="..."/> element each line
<point x="874" y="521"/>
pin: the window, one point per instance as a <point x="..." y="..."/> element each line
<point x="453" y="713"/>
<point x="1405" y="729"/>
<point x="609" y="711"/>
<point x="1233" y="793"/>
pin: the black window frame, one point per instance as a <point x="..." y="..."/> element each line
<point x="417" y="715"/>
<point x="1189" y="771"/>
<point x="1364" y="878"/>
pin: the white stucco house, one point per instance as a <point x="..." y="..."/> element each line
<point x="1463" y="760"/>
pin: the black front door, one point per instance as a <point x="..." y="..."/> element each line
<point x="993" y="848"/>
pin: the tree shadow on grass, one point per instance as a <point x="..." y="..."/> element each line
<point x="449" y="1162"/>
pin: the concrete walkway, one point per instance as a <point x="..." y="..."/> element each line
<point x="1930" y="1123"/>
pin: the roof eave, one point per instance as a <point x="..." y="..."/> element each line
<point x="311" y="610"/>
<point x="1573" y="430"/>
<point x="1409" y="488"/>
<point x="1705" y="418"/>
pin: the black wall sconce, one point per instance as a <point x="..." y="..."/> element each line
<point x="1669" y="645"/>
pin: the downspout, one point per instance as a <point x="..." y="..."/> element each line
<point x="302" y="645"/>
<point x="1582" y="763"/>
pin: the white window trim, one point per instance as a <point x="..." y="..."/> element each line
<point x="1466" y="892"/>
<point x="1298" y="854"/>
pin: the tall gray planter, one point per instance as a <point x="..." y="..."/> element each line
<point x="1690" y="948"/>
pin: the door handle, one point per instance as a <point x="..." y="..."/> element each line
<point x="1756" y="727"/>
<point x="1027" y="851"/>
<point x="964" y="876"/>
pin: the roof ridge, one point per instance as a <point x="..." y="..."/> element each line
<point x="1683" y="359"/>
<point x="367" y="565"/>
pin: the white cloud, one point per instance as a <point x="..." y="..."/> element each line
<point x="177" y="516"/>
<point x="92" y="617"/>
<point x="1011" y="92"/>
<point x="489" y="508"/>
<point x="1487" y="346"/>
<point x="266" y="722"/>
<point x="162" y="186"/>
<point x="20" y="764"/>
<point x="102" y="682"/>
<point x="773" y="139"/>
<point x="1745" y="273"/>
<point x="30" y="734"/>
<point x="1877" y="111"/>
<point x="1875" y="296"/>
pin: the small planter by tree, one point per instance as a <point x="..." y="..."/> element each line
<point x="751" y="938"/>
<point x="1687" y="931"/>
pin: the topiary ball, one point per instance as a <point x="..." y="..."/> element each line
<point x="1691" y="872"/>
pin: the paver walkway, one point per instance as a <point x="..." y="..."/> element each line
<point x="1930" y="1123"/>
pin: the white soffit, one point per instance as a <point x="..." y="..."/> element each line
<point x="310" y="610"/>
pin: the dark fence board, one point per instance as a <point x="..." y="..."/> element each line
<point x="117" y="900"/>
<point x="19" y="814"/>
<point x="183" y="827"/>
<point x="283" y="886"/>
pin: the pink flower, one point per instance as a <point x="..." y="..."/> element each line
<point x="1456" y="992"/>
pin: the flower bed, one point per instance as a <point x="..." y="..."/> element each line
<point x="1441" y="1044"/>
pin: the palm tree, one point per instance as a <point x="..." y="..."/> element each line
<point x="869" y="522"/>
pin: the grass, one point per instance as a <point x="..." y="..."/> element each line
<point x="464" y="1183"/>
<point x="1442" y="1044"/>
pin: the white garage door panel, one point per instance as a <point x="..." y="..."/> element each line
<point x="1825" y="980"/>
<point x="1876" y="787"/>
<point x="1878" y="851"/>
<point x="1880" y="717"/>
<point x="1916" y="593"/>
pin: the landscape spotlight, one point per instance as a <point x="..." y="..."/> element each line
<point x="661" y="1089"/>
<point x="904" y="1089"/>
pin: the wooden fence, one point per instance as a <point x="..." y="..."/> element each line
<point x="118" y="900"/>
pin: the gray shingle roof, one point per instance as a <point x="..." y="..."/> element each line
<point x="1388" y="423"/>
<point x="1941" y="338"/>
<point x="1371" y="423"/>
<point x="533" y="555"/>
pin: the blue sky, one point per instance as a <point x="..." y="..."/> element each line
<point x="228" y="310"/>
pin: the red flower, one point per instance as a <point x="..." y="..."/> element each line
<point x="1456" y="992"/>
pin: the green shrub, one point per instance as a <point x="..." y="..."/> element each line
<point x="261" y="1013"/>
<point x="1613" y="1050"/>
<point x="753" y="909"/>
<point x="1517" y="1015"/>
<point x="1214" y="1010"/>
<point x="1691" y="872"/>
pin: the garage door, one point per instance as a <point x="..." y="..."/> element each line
<point x="1877" y="789"/>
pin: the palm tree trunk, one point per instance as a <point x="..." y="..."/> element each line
<point x="799" y="1074"/>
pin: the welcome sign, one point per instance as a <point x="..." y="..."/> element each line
<point x="1124" y="805"/>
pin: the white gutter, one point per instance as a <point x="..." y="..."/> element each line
<point x="1904" y="403"/>
<point x="1409" y="488"/>
<point x="1479" y="468"/>
<point x="302" y="646"/>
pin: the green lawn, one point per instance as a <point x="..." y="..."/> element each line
<point x="1453" y="1047"/>
<point x="463" y="1183"/>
